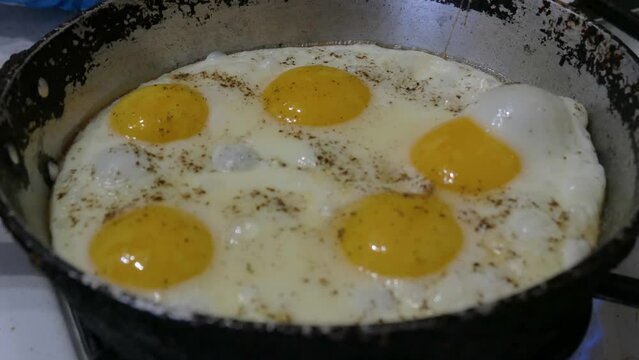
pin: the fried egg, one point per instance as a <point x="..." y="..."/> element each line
<point x="329" y="185"/>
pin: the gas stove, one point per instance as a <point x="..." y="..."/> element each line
<point x="37" y="324"/>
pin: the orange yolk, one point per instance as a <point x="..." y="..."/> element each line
<point x="151" y="247"/>
<point x="399" y="235"/>
<point x="315" y="95"/>
<point x="461" y="156"/>
<point x="160" y="113"/>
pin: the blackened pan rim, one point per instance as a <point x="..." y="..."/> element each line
<point x="599" y="261"/>
<point x="25" y="55"/>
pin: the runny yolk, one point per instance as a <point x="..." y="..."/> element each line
<point x="151" y="247"/>
<point x="160" y="113"/>
<point x="315" y="95"/>
<point x="399" y="235"/>
<point x="461" y="156"/>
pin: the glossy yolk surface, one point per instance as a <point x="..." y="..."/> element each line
<point x="151" y="247"/>
<point x="160" y="113"/>
<point x="399" y="235"/>
<point x="316" y="95"/>
<point x="462" y="157"/>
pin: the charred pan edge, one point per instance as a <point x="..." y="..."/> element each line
<point x="65" y="67"/>
<point x="599" y="54"/>
<point x="501" y="9"/>
<point x="65" y="61"/>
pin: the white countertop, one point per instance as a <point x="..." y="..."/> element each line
<point x="33" y="328"/>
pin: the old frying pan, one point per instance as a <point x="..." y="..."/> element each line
<point x="47" y="92"/>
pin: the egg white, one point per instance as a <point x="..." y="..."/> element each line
<point x="279" y="263"/>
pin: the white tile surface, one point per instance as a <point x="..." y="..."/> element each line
<point x="31" y="325"/>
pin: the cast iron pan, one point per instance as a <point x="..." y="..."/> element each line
<point x="49" y="90"/>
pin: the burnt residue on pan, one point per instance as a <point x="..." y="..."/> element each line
<point x="188" y="7"/>
<point x="582" y="45"/>
<point x="65" y="61"/>
<point x="501" y="9"/>
<point x="62" y="61"/>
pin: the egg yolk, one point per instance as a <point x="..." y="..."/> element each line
<point x="160" y="113"/>
<point x="399" y="235"/>
<point x="461" y="156"/>
<point x="151" y="247"/>
<point x="315" y="95"/>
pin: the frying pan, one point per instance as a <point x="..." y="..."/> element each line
<point x="47" y="92"/>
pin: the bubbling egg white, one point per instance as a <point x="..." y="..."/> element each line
<point x="307" y="178"/>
